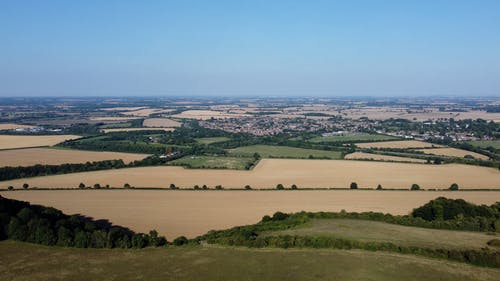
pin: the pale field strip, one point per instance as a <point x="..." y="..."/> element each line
<point x="137" y="129"/>
<point x="380" y="157"/>
<point x="192" y="213"/>
<point x="123" y="108"/>
<point x="398" y="144"/>
<point x="145" y="112"/>
<point x="11" y="126"/>
<point x="110" y="118"/>
<point x="270" y="172"/>
<point x="453" y="152"/>
<point x="49" y="156"/>
<point x="160" y="122"/>
<point x="11" y="141"/>
<point x="205" y="114"/>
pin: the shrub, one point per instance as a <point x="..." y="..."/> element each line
<point x="10" y="187"/>
<point x="219" y="187"/>
<point x="248" y="187"/>
<point x="25" y="185"/>
<point x="280" y="186"/>
<point x="453" y="186"/>
<point x="172" y="186"/>
<point x="294" y="186"/>
<point x="81" y="185"/>
<point x="415" y="187"/>
<point x="204" y="186"/>
<point x="126" y="185"/>
<point x="379" y="187"/>
<point x="196" y="187"/>
<point x="179" y="241"/>
<point x="97" y="186"/>
<point x="354" y="185"/>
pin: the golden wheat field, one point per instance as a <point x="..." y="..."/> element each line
<point x="11" y="142"/>
<point x="398" y="144"/>
<point x="270" y="172"/>
<point x="205" y="114"/>
<point x="145" y="112"/>
<point x="48" y="156"/>
<point x="136" y="129"/>
<point x="11" y="126"/>
<point x="453" y="152"/>
<point x="373" y="156"/>
<point x="191" y="213"/>
<point x="160" y="122"/>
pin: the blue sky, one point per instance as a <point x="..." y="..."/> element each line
<point x="312" y="48"/>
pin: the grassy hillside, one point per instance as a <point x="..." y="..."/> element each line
<point x="213" y="162"/>
<point x="211" y="140"/>
<point x="21" y="261"/>
<point x="267" y="151"/>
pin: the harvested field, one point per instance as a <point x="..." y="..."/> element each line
<point x="214" y="162"/>
<point x="453" y="152"/>
<point x="160" y="122"/>
<point x="352" y="138"/>
<point x="373" y="156"/>
<point x="205" y="114"/>
<point x="192" y="213"/>
<point x="113" y="118"/>
<point x="136" y="129"/>
<point x="398" y="144"/>
<point x="270" y="151"/>
<point x="10" y="126"/>
<point x="11" y="142"/>
<point x="270" y="172"/>
<point x="48" y="156"/>
<point x="123" y="108"/>
<point x="145" y="112"/>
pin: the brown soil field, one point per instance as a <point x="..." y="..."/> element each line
<point x="205" y="114"/>
<point x="453" y="152"/>
<point x="397" y="144"/>
<point x="11" y="142"/>
<point x="373" y="156"/>
<point x="160" y="122"/>
<point x="48" y="156"/>
<point x="270" y="172"/>
<point x="136" y="129"/>
<point x="10" y="126"/>
<point x="192" y="213"/>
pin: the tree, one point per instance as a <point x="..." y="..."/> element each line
<point x="97" y="186"/>
<point x="219" y="187"/>
<point x="81" y="185"/>
<point x="172" y="186"/>
<point x="415" y="187"/>
<point x="354" y="185"/>
<point x="453" y="186"/>
<point x="280" y="186"/>
<point x="248" y="187"/>
<point x="10" y="187"/>
<point x="25" y="185"/>
<point x="181" y="240"/>
<point x="379" y="187"/>
<point x="256" y="156"/>
<point x="294" y="186"/>
<point x="204" y="186"/>
<point x="196" y="187"/>
<point x="126" y="185"/>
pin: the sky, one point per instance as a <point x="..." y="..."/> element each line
<point x="249" y="48"/>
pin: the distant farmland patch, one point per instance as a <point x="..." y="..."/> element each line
<point x="160" y="122"/>
<point x="136" y="129"/>
<point x="453" y="152"/>
<point x="212" y="140"/>
<point x="398" y="144"/>
<point x="213" y="162"/>
<point x="49" y="156"/>
<point x="269" y="151"/>
<point x="373" y="156"/>
<point x="11" y="142"/>
<point x="353" y="138"/>
<point x="486" y="143"/>
<point x="10" y="126"/>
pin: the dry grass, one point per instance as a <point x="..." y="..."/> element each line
<point x="397" y="144"/>
<point x="205" y="114"/>
<point x="193" y="213"/>
<point x="373" y="156"/>
<point x="136" y="129"/>
<point x="145" y="112"/>
<point x="110" y="118"/>
<point x="270" y="172"/>
<point x="47" y="156"/>
<point x="11" y="126"/>
<point x="453" y="152"/>
<point x="160" y="122"/>
<point x="11" y="142"/>
<point x="123" y="108"/>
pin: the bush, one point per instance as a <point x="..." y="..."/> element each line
<point x="81" y="185"/>
<point x="379" y="187"/>
<point x="453" y="186"/>
<point x="204" y="186"/>
<point x="25" y="185"/>
<point x="172" y="186"/>
<point x="294" y="186"/>
<point x="10" y="187"/>
<point x="415" y="187"/>
<point x="280" y="186"/>
<point x="219" y="187"/>
<point x="179" y="241"/>
<point x="97" y="186"/>
<point x="248" y="187"/>
<point x="354" y="185"/>
<point x="126" y="185"/>
<point x="196" y="187"/>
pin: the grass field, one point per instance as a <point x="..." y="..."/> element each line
<point x="366" y="231"/>
<point x="373" y="156"/>
<point x="160" y="122"/>
<point x="484" y="144"/>
<point x="270" y="172"/>
<point x="136" y="129"/>
<point x="212" y="140"/>
<point x="20" y="261"/>
<point x="353" y="138"/>
<point x="48" y="156"/>
<point x="398" y="144"/>
<point x="453" y="152"/>
<point x="267" y="151"/>
<point x="213" y="162"/>
<point x="11" y="142"/>
<point x="191" y="213"/>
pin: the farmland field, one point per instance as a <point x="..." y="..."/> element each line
<point x="398" y="144"/>
<point x="453" y="152"/>
<point x="270" y="172"/>
<point x="212" y="140"/>
<point x="353" y="138"/>
<point x="23" y="261"/>
<point x="136" y="129"/>
<point x="160" y="122"/>
<point x="192" y="213"/>
<point x="373" y="156"/>
<point x="48" y="156"/>
<point x="212" y="162"/>
<point x="267" y="151"/>
<point x="11" y="142"/>
<point x="484" y="144"/>
<point x="205" y="114"/>
<point x="10" y="126"/>
<point x="373" y="231"/>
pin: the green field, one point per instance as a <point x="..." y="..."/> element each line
<point x="353" y="138"/>
<point x="267" y="151"/>
<point x="212" y="140"/>
<point x="484" y="144"/>
<point x="22" y="261"/>
<point x="214" y="162"/>
<point x="366" y="231"/>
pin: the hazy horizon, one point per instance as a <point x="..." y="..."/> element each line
<point x="230" y="48"/>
